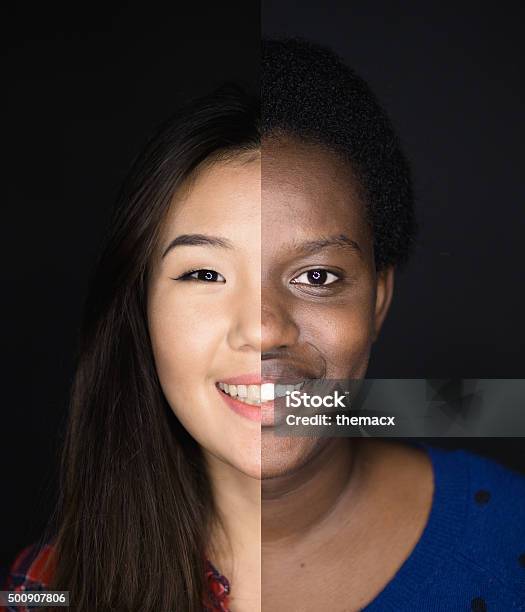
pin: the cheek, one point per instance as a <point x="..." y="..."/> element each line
<point x="188" y="335"/>
<point x="185" y="337"/>
<point x="181" y="337"/>
<point x="343" y="336"/>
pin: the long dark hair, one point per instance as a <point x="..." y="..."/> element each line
<point x="135" y="504"/>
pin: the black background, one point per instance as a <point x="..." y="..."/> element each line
<point x="452" y="82"/>
<point x="86" y="86"/>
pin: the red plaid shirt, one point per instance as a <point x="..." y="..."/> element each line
<point x="33" y="570"/>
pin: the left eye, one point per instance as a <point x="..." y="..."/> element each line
<point x="318" y="278"/>
<point x="204" y="275"/>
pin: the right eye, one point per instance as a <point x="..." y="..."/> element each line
<point x="202" y="275"/>
<point x="316" y="277"/>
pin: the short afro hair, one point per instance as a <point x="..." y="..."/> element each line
<point x="309" y="93"/>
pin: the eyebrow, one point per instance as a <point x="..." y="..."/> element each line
<point x="342" y="241"/>
<point x="197" y="240"/>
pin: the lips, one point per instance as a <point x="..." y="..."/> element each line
<point x="253" y="395"/>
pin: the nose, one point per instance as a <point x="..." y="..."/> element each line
<point x="245" y="331"/>
<point x="279" y="330"/>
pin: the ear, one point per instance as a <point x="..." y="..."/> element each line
<point x="384" y="292"/>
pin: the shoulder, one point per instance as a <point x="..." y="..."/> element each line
<point x="32" y="568"/>
<point x="495" y="495"/>
<point x="492" y="541"/>
<point x="492" y="482"/>
<point x="495" y="532"/>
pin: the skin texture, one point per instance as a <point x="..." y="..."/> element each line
<point x="295" y="512"/>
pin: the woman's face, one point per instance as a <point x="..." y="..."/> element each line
<point x="322" y="301"/>
<point x="205" y="326"/>
<point x="257" y="311"/>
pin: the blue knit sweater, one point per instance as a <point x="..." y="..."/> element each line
<point x="471" y="555"/>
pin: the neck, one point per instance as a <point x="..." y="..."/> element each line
<point x="277" y="511"/>
<point x="236" y="532"/>
<point x="295" y="503"/>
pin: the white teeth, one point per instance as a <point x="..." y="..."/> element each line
<point x="255" y="394"/>
<point x="267" y="392"/>
<point x="242" y="391"/>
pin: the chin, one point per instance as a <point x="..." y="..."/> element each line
<point x="247" y="465"/>
<point x="245" y="458"/>
<point x="252" y="470"/>
<point x="282" y="456"/>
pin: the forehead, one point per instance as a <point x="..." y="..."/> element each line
<point x="309" y="188"/>
<point x="216" y="195"/>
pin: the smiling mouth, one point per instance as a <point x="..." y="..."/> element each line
<point x="255" y="395"/>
